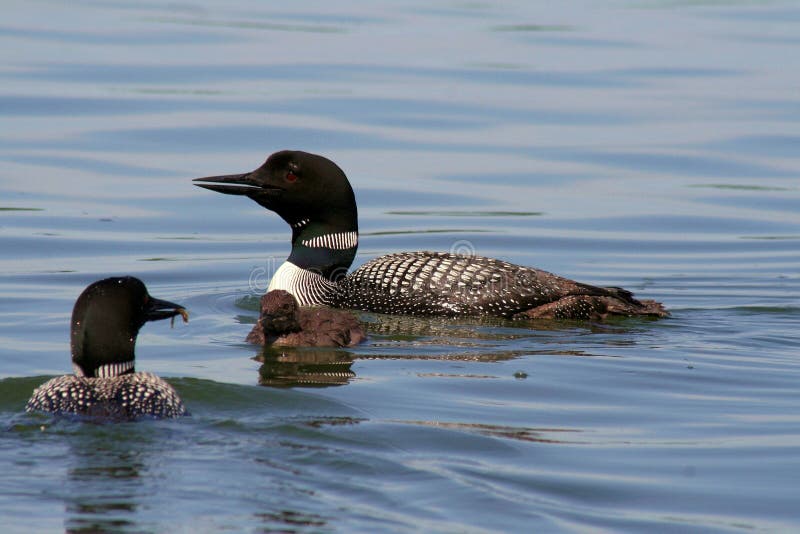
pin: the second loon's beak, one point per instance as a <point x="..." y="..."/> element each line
<point x="231" y="184"/>
<point x="157" y="309"/>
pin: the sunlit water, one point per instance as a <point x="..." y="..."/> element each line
<point x="652" y="145"/>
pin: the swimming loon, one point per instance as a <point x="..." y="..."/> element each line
<point x="105" y="322"/>
<point x="283" y="323"/>
<point x="312" y="194"/>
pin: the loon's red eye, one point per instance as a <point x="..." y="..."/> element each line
<point x="291" y="177"/>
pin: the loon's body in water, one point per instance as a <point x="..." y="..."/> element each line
<point x="312" y="194"/>
<point x="105" y="322"/>
<point x="283" y="323"/>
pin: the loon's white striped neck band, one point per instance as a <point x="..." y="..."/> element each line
<point x="108" y="370"/>
<point x="308" y="287"/>
<point x="300" y="224"/>
<point x="336" y="241"/>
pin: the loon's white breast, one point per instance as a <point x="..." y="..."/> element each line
<point x="308" y="287"/>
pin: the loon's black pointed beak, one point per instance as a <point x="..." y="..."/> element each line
<point x="157" y="309"/>
<point x="231" y="184"/>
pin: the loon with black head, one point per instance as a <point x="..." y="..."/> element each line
<point x="105" y="322"/>
<point x="313" y="195"/>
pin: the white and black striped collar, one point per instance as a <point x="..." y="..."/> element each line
<point x="108" y="370"/>
<point x="336" y="241"/>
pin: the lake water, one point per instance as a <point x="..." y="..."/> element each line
<point x="653" y="145"/>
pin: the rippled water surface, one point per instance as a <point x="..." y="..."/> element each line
<point x="647" y="144"/>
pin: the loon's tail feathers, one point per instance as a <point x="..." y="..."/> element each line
<point x="579" y="288"/>
<point x="595" y="303"/>
<point x="632" y="304"/>
<point x="594" y="308"/>
<point x="621" y="294"/>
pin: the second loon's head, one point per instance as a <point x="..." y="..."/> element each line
<point x="302" y="188"/>
<point x="313" y="195"/>
<point x="106" y="320"/>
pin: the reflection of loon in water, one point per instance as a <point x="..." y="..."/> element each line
<point x="312" y="194"/>
<point x="304" y="367"/>
<point x="403" y="337"/>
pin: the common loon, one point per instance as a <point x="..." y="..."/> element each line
<point x="105" y="322"/>
<point x="312" y="194"/>
<point x="283" y="323"/>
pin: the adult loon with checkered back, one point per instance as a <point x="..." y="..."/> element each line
<point x="105" y="322"/>
<point x="312" y="194"/>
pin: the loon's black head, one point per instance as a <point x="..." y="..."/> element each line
<point x="106" y="320"/>
<point x="301" y="187"/>
<point x="313" y="195"/>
